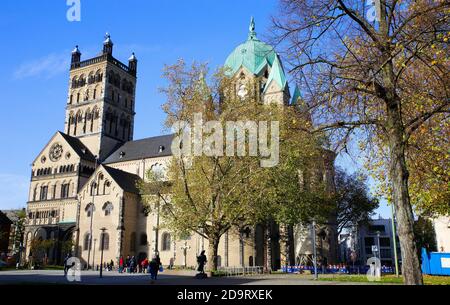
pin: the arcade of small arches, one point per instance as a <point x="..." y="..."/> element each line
<point x="117" y="127"/>
<point x="53" y="190"/>
<point x="124" y="84"/>
<point x="103" y="241"/>
<point x="107" y="209"/>
<point x="100" y="186"/>
<point x="80" y="123"/>
<point x="52" y="171"/>
<point x="80" y="81"/>
<point x="43" y="214"/>
<point x="59" y="235"/>
<point x="118" y="99"/>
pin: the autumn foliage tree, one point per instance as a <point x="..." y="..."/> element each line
<point x="211" y="192"/>
<point x="379" y="72"/>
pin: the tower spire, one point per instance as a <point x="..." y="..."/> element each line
<point x="251" y="29"/>
<point x="107" y="44"/>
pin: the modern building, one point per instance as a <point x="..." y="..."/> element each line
<point x="442" y="229"/>
<point x="358" y="244"/>
<point x="84" y="179"/>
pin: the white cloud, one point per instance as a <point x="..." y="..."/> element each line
<point x="54" y="64"/>
<point x="13" y="191"/>
<point x="47" y="66"/>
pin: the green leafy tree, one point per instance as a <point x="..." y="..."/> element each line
<point x="354" y="205"/>
<point x="380" y="79"/>
<point x="425" y="235"/>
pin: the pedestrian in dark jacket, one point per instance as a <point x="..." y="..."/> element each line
<point x="154" y="268"/>
<point x="133" y="264"/>
<point x="66" y="266"/>
<point x="201" y="260"/>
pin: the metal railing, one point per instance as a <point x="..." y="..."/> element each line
<point x="235" y="271"/>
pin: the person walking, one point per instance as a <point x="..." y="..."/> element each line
<point x="201" y="260"/>
<point x="154" y="268"/>
<point x="127" y="264"/>
<point x="139" y="265"/>
<point x="66" y="267"/>
<point x="121" y="264"/>
<point x="132" y="264"/>
<point x="144" y="264"/>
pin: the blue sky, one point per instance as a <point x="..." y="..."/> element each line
<point x="37" y="40"/>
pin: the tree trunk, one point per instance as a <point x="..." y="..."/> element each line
<point x="269" y="247"/>
<point x="213" y="248"/>
<point x="399" y="176"/>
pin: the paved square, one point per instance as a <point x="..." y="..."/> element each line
<point x="168" y="277"/>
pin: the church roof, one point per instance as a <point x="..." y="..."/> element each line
<point x="277" y="74"/>
<point x="78" y="147"/>
<point x="141" y="149"/>
<point x="252" y="54"/>
<point x="125" y="180"/>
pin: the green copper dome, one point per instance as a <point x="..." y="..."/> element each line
<point x="252" y="54"/>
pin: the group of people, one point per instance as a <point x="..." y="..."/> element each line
<point x="131" y="265"/>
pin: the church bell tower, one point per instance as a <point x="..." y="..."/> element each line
<point x="101" y="100"/>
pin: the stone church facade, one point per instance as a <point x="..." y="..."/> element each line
<point x="83" y="182"/>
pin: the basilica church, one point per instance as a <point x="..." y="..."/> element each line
<point x="83" y="182"/>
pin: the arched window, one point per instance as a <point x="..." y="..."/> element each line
<point x="104" y="240"/>
<point x="133" y="242"/>
<point x="87" y="242"/>
<point x="165" y="242"/>
<point x="90" y="208"/>
<point x="93" y="188"/>
<point x="74" y="82"/>
<point x="35" y="193"/>
<point x="106" y="187"/>
<point x="143" y="239"/>
<point x="65" y="190"/>
<point x="107" y="207"/>
<point x="110" y="76"/>
<point x="91" y="77"/>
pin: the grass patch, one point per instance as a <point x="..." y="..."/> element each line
<point x="385" y="279"/>
<point x="9" y="268"/>
<point x="53" y="267"/>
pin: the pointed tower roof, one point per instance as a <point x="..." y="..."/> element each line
<point x="132" y="57"/>
<point x="253" y="54"/>
<point x="296" y="96"/>
<point x="76" y="50"/>
<point x="277" y="74"/>
<point x="251" y="29"/>
<point x="107" y="39"/>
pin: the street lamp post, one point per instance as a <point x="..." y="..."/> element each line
<point x="378" y="245"/>
<point x="157" y="229"/>
<point x="102" y="241"/>
<point x="91" y="207"/>
<point x="185" y="248"/>
<point x="316" y="276"/>
<point x="93" y="253"/>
